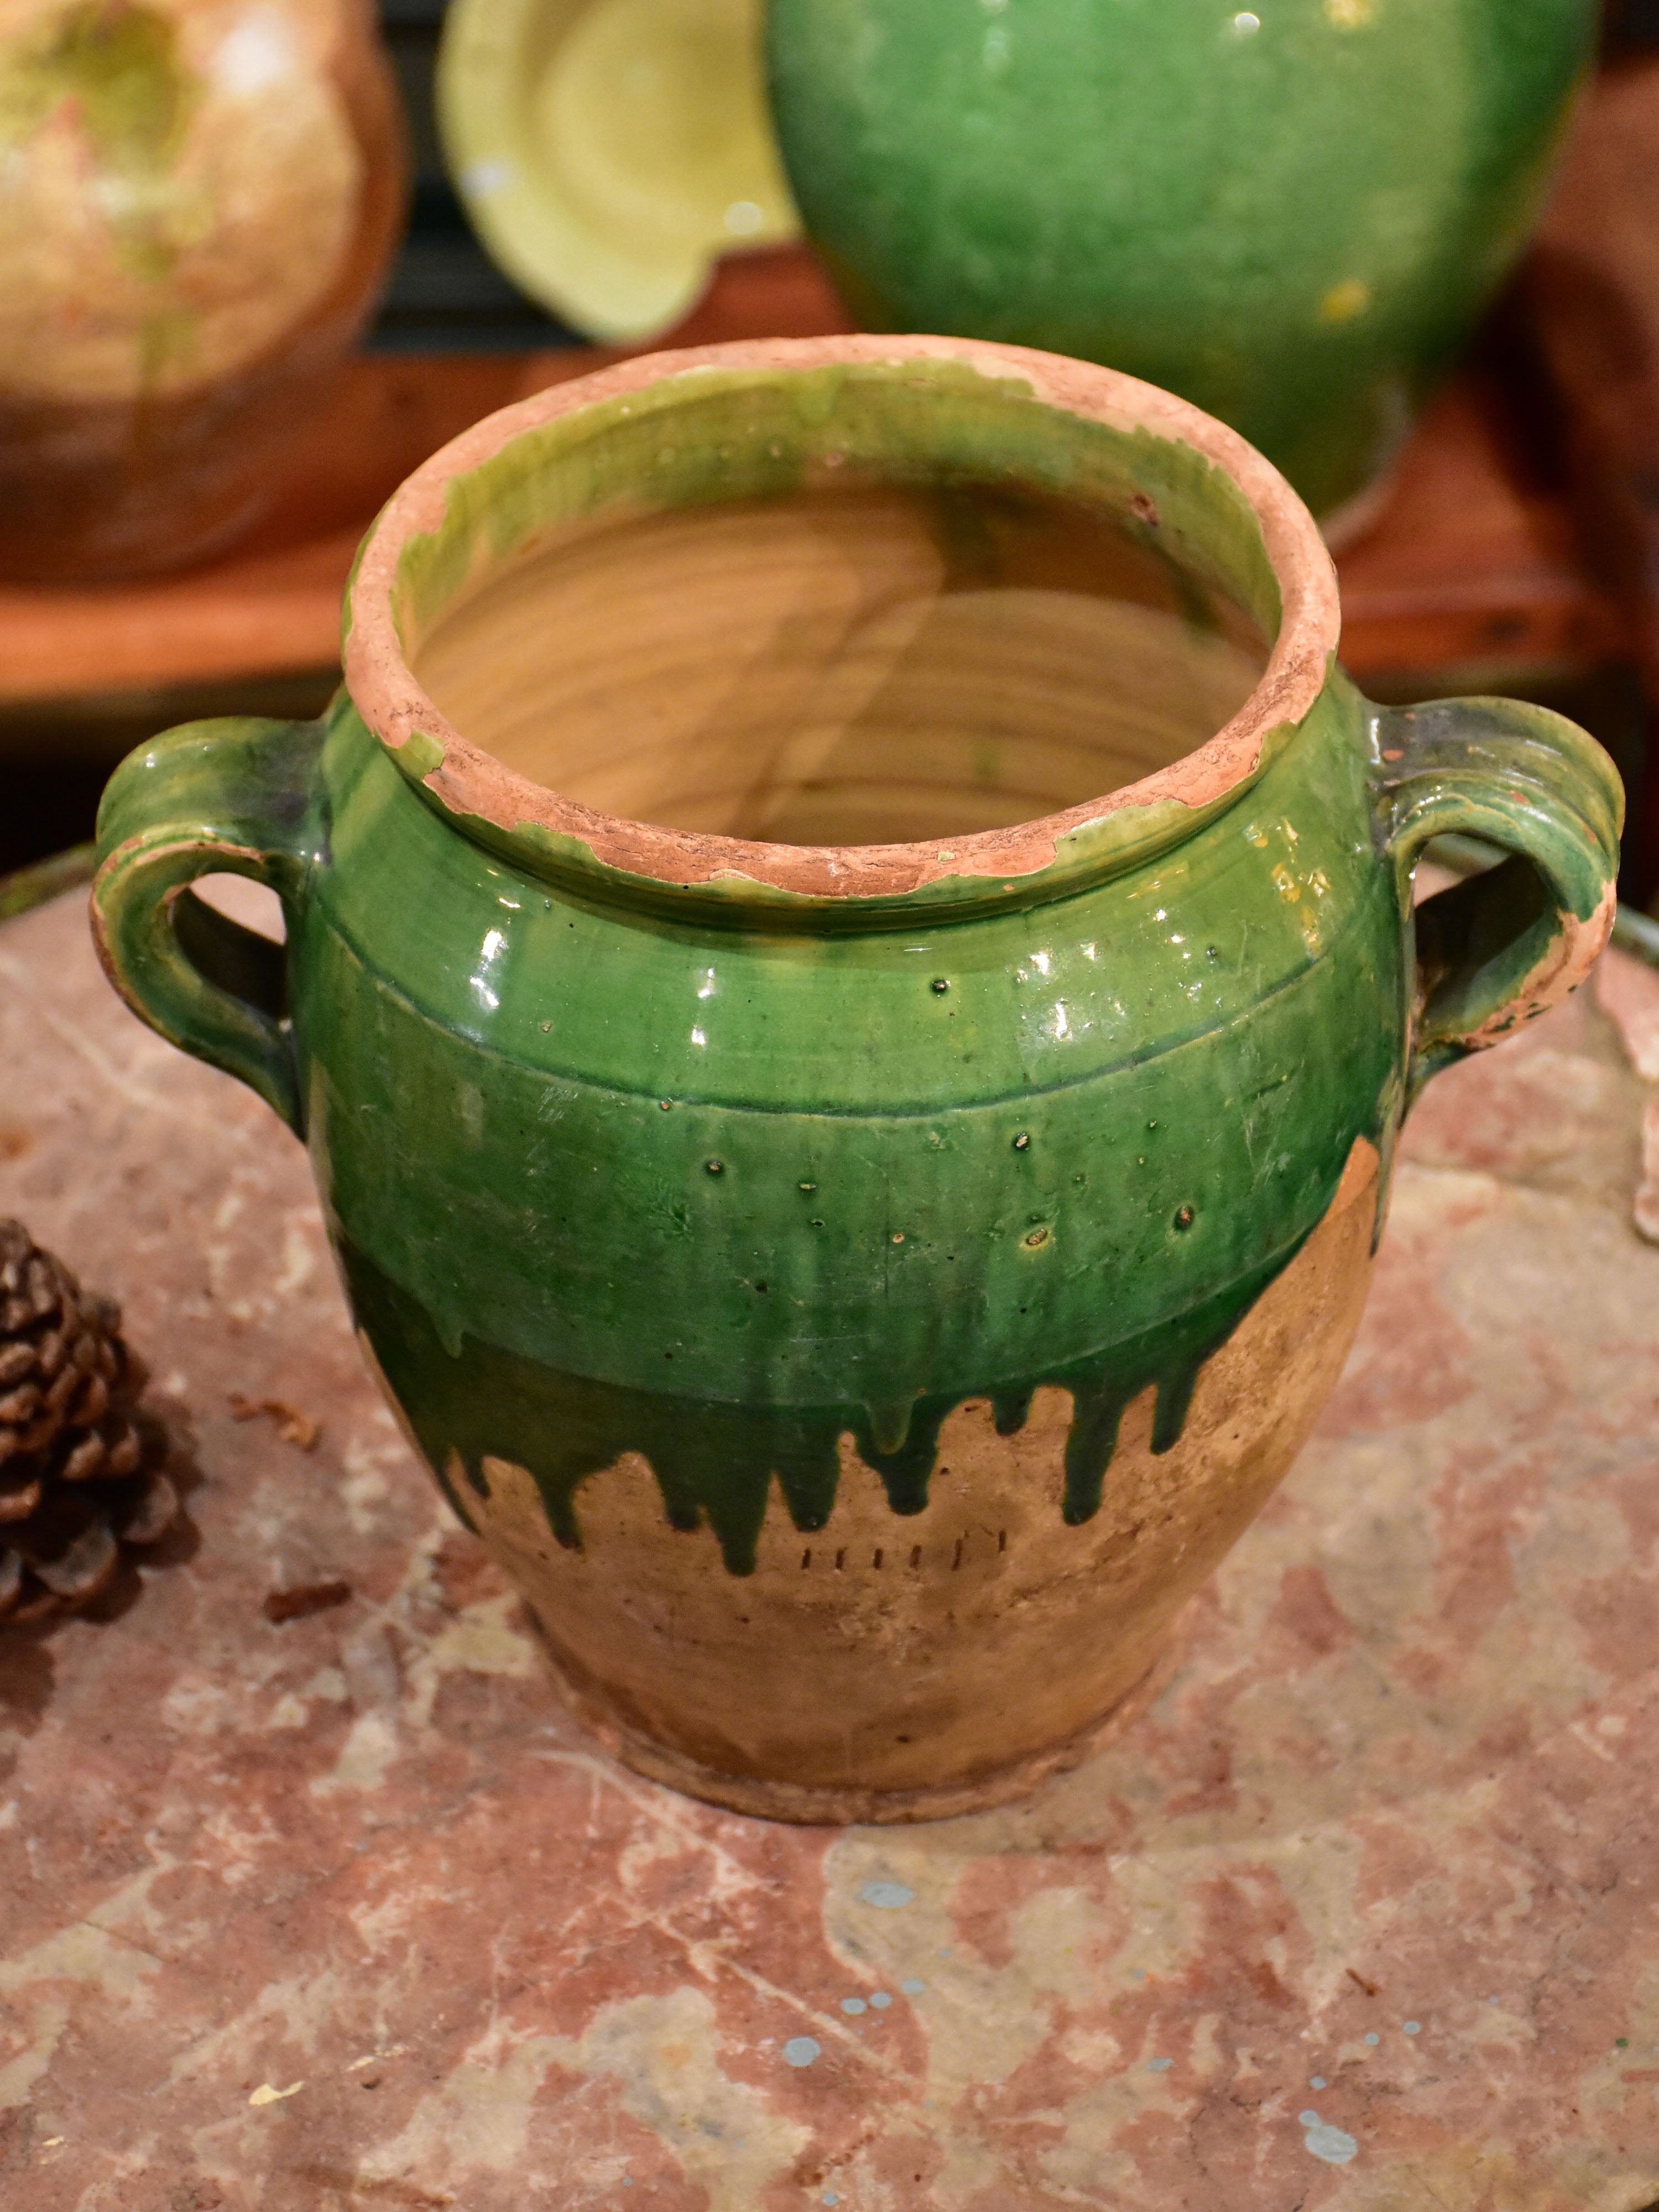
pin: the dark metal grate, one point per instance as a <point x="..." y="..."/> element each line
<point x="444" y="295"/>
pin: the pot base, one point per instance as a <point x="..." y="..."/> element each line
<point x="804" y="1805"/>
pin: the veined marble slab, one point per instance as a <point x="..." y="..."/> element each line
<point x="342" y="1912"/>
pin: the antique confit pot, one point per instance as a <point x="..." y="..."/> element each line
<point x="851" y="986"/>
<point x="1292" y="215"/>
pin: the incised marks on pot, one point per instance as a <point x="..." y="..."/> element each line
<point x="714" y="1464"/>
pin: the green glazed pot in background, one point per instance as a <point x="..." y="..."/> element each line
<point x="1291" y="213"/>
<point x="851" y="984"/>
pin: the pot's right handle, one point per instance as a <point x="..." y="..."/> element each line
<point x="239" y="797"/>
<point x="1498" y="948"/>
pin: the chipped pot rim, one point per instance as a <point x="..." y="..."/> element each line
<point x="538" y="825"/>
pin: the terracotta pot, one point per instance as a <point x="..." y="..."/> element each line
<point x="199" y="199"/>
<point x="856" y="1220"/>
<point x="1291" y="215"/>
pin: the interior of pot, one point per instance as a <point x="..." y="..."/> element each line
<point x="855" y="607"/>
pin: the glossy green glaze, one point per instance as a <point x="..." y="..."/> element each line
<point x="1291" y="215"/>
<point x="719" y="1173"/>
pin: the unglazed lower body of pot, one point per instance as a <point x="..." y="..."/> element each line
<point x="901" y="1669"/>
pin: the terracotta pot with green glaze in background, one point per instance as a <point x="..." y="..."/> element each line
<point x="851" y="986"/>
<point x="1291" y="213"/>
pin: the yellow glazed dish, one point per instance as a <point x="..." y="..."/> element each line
<point x="608" y="151"/>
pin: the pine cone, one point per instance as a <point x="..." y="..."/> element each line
<point x="76" y="1478"/>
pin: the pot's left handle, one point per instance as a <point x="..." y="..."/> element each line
<point x="241" y="797"/>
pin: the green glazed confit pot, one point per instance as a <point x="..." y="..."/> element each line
<point x="1291" y="213"/>
<point x="851" y="985"/>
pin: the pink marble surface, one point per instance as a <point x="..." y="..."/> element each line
<point x="342" y="1912"/>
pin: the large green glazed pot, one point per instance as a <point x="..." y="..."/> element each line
<point x="1291" y="214"/>
<point x="856" y="1219"/>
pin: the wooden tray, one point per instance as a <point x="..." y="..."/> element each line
<point x="1472" y="569"/>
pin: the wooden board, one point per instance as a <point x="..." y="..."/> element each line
<point x="1473" y="563"/>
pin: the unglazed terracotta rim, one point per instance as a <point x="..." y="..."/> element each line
<point x="471" y="782"/>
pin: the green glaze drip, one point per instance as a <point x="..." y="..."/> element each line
<point x="905" y="1470"/>
<point x="1009" y="1410"/>
<point x="1173" y="1357"/>
<point x="714" y="1463"/>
